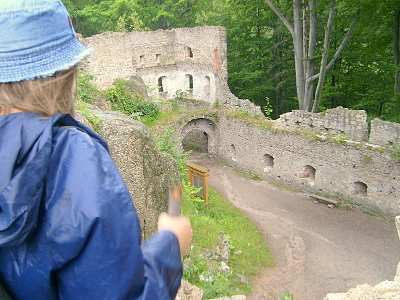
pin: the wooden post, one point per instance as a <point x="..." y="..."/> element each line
<point x="198" y="172"/>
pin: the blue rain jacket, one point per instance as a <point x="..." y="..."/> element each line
<point x="68" y="228"/>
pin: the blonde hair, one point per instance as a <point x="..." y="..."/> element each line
<point x="46" y="96"/>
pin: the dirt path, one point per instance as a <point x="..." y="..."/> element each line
<point x="317" y="249"/>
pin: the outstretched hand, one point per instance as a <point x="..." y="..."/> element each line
<point x="181" y="227"/>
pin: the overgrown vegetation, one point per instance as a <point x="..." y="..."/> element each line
<point x="87" y="90"/>
<point x="259" y="121"/>
<point x="83" y="109"/>
<point x="248" y="254"/>
<point x="131" y="104"/>
<point x="287" y="296"/>
<point x="87" y="94"/>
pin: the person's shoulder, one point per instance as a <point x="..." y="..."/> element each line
<point x="79" y="141"/>
<point x="87" y="170"/>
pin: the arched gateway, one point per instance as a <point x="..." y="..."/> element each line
<point x="199" y="134"/>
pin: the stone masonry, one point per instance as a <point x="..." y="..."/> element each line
<point x="184" y="62"/>
<point x="147" y="173"/>
<point x="330" y="158"/>
<point x="358" y="172"/>
<point x="384" y="133"/>
<point x="351" y="123"/>
<point x="329" y="153"/>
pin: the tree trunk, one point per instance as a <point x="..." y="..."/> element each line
<point x="298" y="51"/>
<point x="304" y="55"/>
<point x="396" y="49"/>
<point x="324" y="60"/>
<point x="309" y="86"/>
<point x="305" y="37"/>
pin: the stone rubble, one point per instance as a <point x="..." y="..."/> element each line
<point x="189" y="292"/>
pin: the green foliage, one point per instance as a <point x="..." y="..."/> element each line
<point x="87" y="90"/>
<point x="338" y="139"/>
<point x="259" y="121"/>
<point x="124" y="100"/>
<point x="248" y="254"/>
<point x="91" y="17"/>
<point x="287" y="296"/>
<point x="83" y="109"/>
<point x="167" y="143"/>
<point x="268" y="110"/>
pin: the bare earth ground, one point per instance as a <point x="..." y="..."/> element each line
<point x="317" y="249"/>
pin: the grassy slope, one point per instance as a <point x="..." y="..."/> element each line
<point x="249" y="253"/>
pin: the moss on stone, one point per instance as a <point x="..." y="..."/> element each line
<point x="94" y="121"/>
<point x="242" y="115"/>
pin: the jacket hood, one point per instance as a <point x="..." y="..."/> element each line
<point x="26" y="143"/>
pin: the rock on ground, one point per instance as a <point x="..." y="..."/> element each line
<point x="189" y="292"/>
<point x="147" y="172"/>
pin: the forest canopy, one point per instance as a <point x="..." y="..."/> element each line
<point x="268" y="60"/>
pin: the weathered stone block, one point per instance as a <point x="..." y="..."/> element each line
<point x="384" y="133"/>
<point x="351" y="123"/>
<point x="148" y="173"/>
<point x="189" y="292"/>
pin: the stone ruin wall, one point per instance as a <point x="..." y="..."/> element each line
<point x="384" y="133"/>
<point x="165" y="54"/>
<point x="352" y="124"/>
<point x="359" y="172"/>
<point x="351" y="167"/>
<point x="339" y="168"/>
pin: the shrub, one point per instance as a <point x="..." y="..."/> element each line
<point x="83" y="109"/>
<point x="125" y="101"/>
<point x="167" y="143"/>
<point x="87" y="90"/>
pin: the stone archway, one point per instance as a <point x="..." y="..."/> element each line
<point x="196" y="140"/>
<point x="199" y="134"/>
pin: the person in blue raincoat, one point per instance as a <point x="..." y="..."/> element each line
<point x="68" y="228"/>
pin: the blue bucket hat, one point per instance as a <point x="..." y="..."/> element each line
<point x="37" y="40"/>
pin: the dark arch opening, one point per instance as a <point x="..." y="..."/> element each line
<point x="208" y="87"/>
<point x="189" y="52"/>
<point x="309" y="173"/>
<point x="232" y="151"/>
<point x="196" y="140"/>
<point x="189" y="82"/>
<point x="269" y="162"/>
<point x="360" y="188"/>
<point x="161" y="87"/>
